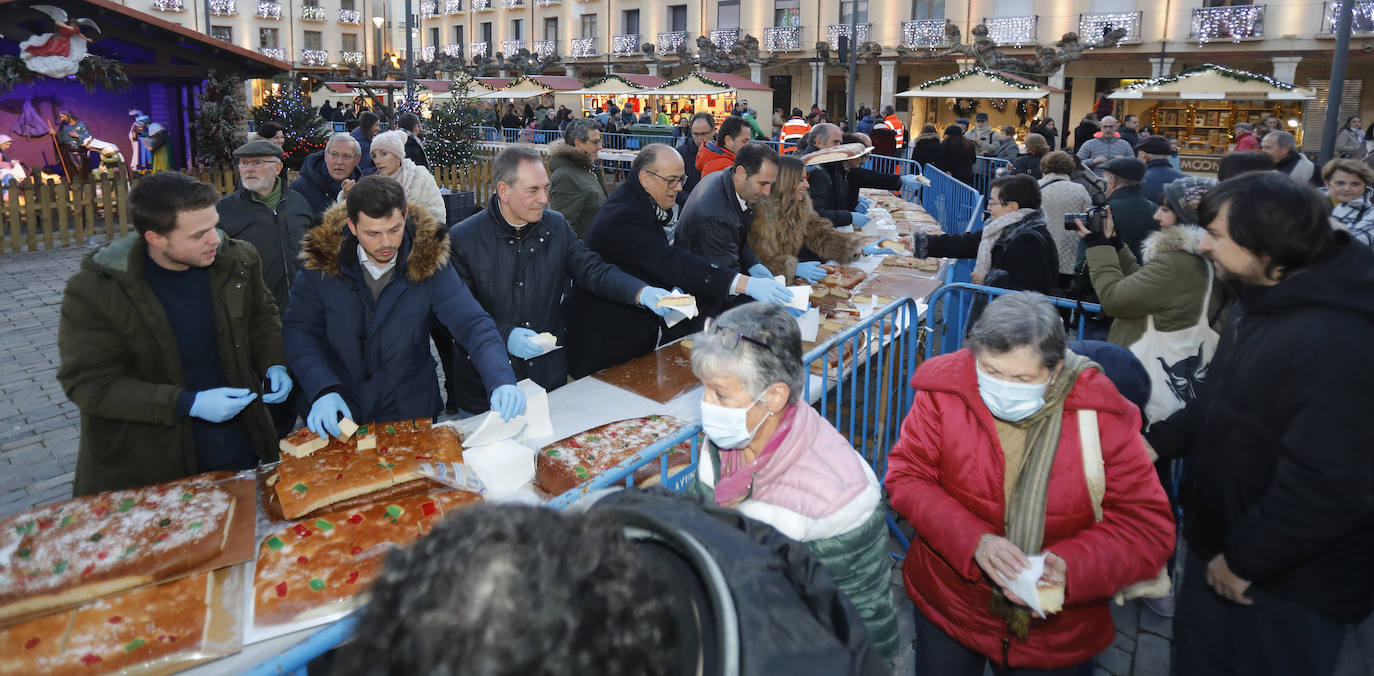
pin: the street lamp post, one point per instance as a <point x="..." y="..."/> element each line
<point x="410" y="54"/>
<point x="377" y="22"/>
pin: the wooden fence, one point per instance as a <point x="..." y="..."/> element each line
<point x="45" y="214"/>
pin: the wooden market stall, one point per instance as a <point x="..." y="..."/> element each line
<point x="978" y="85"/>
<point x="613" y="88"/>
<point x="715" y="93"/>
<point x="1201" y="106"/>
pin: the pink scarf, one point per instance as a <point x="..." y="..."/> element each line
<point x="736" y="475"/>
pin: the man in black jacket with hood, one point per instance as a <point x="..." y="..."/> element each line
<point x="1280" y="497"/>
<point x="324" y="172"/>
<point x="702" y="129"/>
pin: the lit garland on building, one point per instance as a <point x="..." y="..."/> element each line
<point x="724" y="38"/>
<point x="275" y="52"/>
<point x="545" y="48"/>
<point x="625" y="45"/>
<point x="312" y="13"/>
<point x="1092" y="27"/>
<point x="224" y="7"/>
<point x="683" y="78"/>
<point x="429" y="9"/>
<point x="1363" y="12"/>
<point x="1011" y="30"/>
<point x="481" y="5"/>
<point x="782" y="38"/>
<point x="512" y="4"/>
<point x="168" y="6"/>
<point x="1237" y="22"/>
<point x="512" y="47"/>
<point x="545" y="3"/>
<point x="924" y="33"/>
<point x="427" y="53"/>
<point x="583" y="47"/>
<point x="452" y="7"/>
<point x="955" y="77"/>
<point x="835" y="30"/>
<point x="478" y="49"/>
<point x="453" y="51"/>
<point x="354" y="59"/>
<point x="350" y="16"/>
<point x="314" y="57"/>
<point x="269" y="10"/>
<point x="670" y="42"/>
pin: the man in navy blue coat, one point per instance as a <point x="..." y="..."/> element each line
<point x="357" y="327"/>
<point x="520" y="258"/>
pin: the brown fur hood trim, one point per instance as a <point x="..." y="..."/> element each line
<point x="429" y="248"/>
<point x="1181" y="237"/>
<point x="563" y="150"/>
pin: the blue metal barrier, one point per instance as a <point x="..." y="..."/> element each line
<point x="985" y="170"/>
<point x="949" y="311"/>
<point x="955" y="206"/>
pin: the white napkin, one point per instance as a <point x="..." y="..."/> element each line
<point x="538" y="423"/>
<point x="504" y="467"/>
<point x="680" y="313"/>
<point x="546" y="340"/>
<point x="810" y="324"/>
<point x="801" y="297"/>
<point x="1024" y="584"/>
<point x="492" y="429"/>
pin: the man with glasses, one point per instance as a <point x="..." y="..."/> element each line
<point x="703" y="128"/>
<point x="629" y="232"/>
<point x="575" y="186"/>
<point x="1102" y="149"/>
<point x="273" y="218"/>
<point x="324" y="173"/>
<point x="519" y="258"/>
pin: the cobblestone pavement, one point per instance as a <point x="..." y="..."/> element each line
<point x="39" y="430"/>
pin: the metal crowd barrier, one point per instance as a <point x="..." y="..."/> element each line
<point x="985" y="170"/>
<point x="954" y="205"/>
<point x="947" y="320"/>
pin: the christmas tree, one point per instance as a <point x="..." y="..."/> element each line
<point x="306" y="131"/>
<point x="219" y="124"/>
<point x="452" y="132"/>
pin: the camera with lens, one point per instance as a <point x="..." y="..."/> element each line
<point x="1094" y="220"/>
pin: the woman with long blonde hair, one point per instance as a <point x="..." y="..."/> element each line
<point x="787" y="221"/>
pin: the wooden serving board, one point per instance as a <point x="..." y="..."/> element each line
<point x="661" y="375"/>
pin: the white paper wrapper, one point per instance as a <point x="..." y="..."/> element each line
<point x="491" y="429"/>
<point x="680" y="313"/>
<point x="1024" y="584"/>
<point x="504" y="467"/>
<point x="801" y="297"/>
<point x="810" y="324"/>
<point x="546" y="340"/>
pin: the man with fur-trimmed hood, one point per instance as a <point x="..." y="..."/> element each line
<point x="575" y="187"/>
<point x="357" y="328"/>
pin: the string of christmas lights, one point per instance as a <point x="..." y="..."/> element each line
<point x="545" y="48"/>
<point x="1233" y="73"/>
<point x="350" y="16"/>
<point x="625" y="45"/>
<point x="1092" y="27"/>
<point x="583" y="47"/>
<point x="955" y="77"/>
<point x="269" y="10"/>
<point x="724" y="38"/>
<point x="670" y="42"/>
<point x="512" y="47"/>
<point x="1011" y="30"/>
<point x="835" y="30"/>
<point x="782" y="38"/>
<point x="924" y="33"/>
<point x="1236" y="23"/>
<point x="224" y="7"/>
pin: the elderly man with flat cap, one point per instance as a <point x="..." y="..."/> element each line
<point x="1154" y="151"/>
<point x="272" y="217"/>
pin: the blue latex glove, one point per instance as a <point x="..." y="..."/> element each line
<point x="649" y="298"/>
<point x="857" y="219"/>
<point x="281" y="385"/>
<point x="508" y="401"/>
<point x="221" y="403"/>
<point x="324" y="415"/>
<point x="910" y="182"/>
<point x="794" y="311"/>
<point x="862" y="208"/>
<point x="864" y="204"/>
<point x="759" y="271"/>
<point x="874" y="250"/>
<point x="810" y="271"/>
<point x="767" y="291"/>
<point x="521" y="343"/>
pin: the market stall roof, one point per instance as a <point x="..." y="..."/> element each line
<point x="520" y="88"/>
<point x="1213" y="82"/>
<point x="610" y="85"/>
<point x="148" y="47"/>
<point x="981" y="83"/>
<point x="705" y="84"/>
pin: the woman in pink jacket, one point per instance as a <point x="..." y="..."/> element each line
<point x="989" y="470"/>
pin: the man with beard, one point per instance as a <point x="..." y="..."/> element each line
<point x="166" y="338"/>
<point x="1280" y="494"/>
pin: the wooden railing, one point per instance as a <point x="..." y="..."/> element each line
<point x="49" y="213"/>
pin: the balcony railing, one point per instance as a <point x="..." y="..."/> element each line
<point x="269" y="10"/>
<point x="545" y="48"/>
<point x="1012" y="31"/>
<point x="625" y="45"/>
<point x="275" y="52"/>
<point x="481" y="5"/>
<point x="452" y="7"/>
<point x="512" y="4"/>
<point x="835" y="30"/>
<point x="670" y="42"/>
<point x="724" y="38"/>
<point x="1361" y="20"/>
<point x="354" y="59"/>
<point x="427" y="53"/>
<point x="222" y="33"/>
<point x="169" y="6"/>
<point x="782" y="38"/>
<point x="315" y="57"/>
<point x="1234" y="23"/>
<point x="1092" y="27"/>
<point x="583" y="47"/>
<point x="312" y="13"/>
<point x="454" y="50"/>
<point x="429" y="9"/>
<point x="224" y="7"/>
<point x="924" y="33"/>
<point x="511" y="47"/>
<point x="479" y="49"/>
<point x="546" y="3"/>
<point x="351" y="17"/>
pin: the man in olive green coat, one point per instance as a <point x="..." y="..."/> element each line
<point x="166" y="338"/>
<point x="575" y="186"/>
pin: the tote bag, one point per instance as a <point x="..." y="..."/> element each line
<point x="1176" y="360"/>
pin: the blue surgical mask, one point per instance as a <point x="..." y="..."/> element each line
<point x="728" y="427"/>
<point x="1008" y="400"/>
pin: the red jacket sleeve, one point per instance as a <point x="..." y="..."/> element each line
<point x="1136" y="534"/>
<point x="913" y="486"/>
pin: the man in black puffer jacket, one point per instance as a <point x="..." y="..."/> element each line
<point x="1280" y="496"/>
<point x="323" y="173"/>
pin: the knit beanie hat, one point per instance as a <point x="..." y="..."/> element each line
<point x="1183" y="195"/>
<point x="393" y="141"/>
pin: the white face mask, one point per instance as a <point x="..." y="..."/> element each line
<point x="729" y="427"/>
<point x="1011" y="401"/>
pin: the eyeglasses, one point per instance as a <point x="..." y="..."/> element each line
<point x="255" y="164"/>
<point x="703" y="134"/>
<point x="339" y="156"/>
<point x="672" y="182"/>
<point x="994" y="203"/>
<point x="730" y="338"/>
